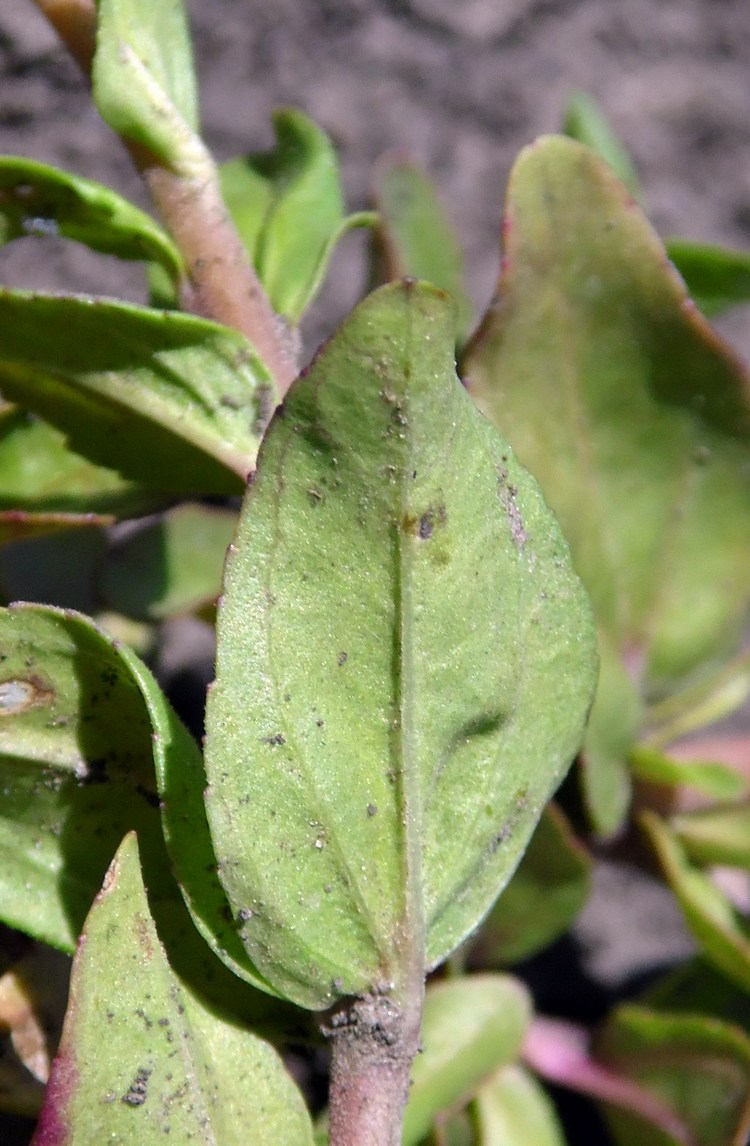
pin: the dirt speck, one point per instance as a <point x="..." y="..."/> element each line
<point x="137" y="1092"/>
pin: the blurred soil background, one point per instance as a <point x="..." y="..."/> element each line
<point x="461" y="85"/>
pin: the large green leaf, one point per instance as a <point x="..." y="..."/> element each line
<point x="634" y="418"/>
<point x="697" y="1066"/>
<point x="143" y="79"/>
<point x="288" y="207"/>
<point x="39" y="200"/>
<point x="142" y="1057"/>
<point x="170" y="400"/>
<point x="405" y="663"/>
<point x="414" y="235"/>
<point x="471" y="1026"/>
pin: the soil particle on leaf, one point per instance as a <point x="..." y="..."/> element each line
<point x="137" y="1092"/>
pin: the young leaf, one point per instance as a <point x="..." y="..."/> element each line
<point x="716" y="278"/>
<point x="585" y="122"/>
<point x="39" y="200"/>
<point x="698" y="1067"/>
<point x="718" y="835"/>
<point x="512" y="1109"/>
<point x="713" y="695"/>
<point x="715" y="924"/>
<point x="143" y="79"/>
<point x="42" y="479"/>
<point x="631" y="413"/>
<point x="170" y="400"/>
<point x="405" y="664"/>
<point x="142" y="1056"/>
<point x="288" y="207"/>
<point x="549" y="888"/>
<point x="414" y="235"/>
<point x="172" y="565"/>
<point x="714" y="779"/>
<point x="470" y="1027"/>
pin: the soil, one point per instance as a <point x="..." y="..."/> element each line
<point x="462" y="85"/>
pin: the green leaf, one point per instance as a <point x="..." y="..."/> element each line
<point x="713" y="695"/>
<point x="288" y="207"/>
<point x="76" y="768"/>
<point x="613" y="724"/>
<point x="414" y="235"/>
<point x="42" y="479"/>
<point x="697" y="988"/>
<point x="589" y="359"/>
<point x="171" y="565"/>
<point x="719" y="930"/>
<point x="633" y="416"/>
<point x="405" y="664"/>
<point x="696" y="1066"/>
<point x="142" y="1056"/>
<point x="710" y="777"/>
<point x="18" y="525"/>
<point x="143" y="79"/>
<point x="716" y="278"/>
<point x="470" y="1027"/>
<point x="585" y="122"/>
<point x="550" y="886"/>
<point x="39" y="200"/>
<point x="512" y="1109"/>
<point x="171" y="400"/>
<point x="716" y="835"/>
<point x="82" y="724"/>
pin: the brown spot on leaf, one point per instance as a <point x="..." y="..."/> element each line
<point x="19" y="694"/>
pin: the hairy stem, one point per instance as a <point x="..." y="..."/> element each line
<point x="374" y="1041"/>
<point x="224" y="284"/>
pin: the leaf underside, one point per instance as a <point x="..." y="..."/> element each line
<point x="405" y="664"/>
